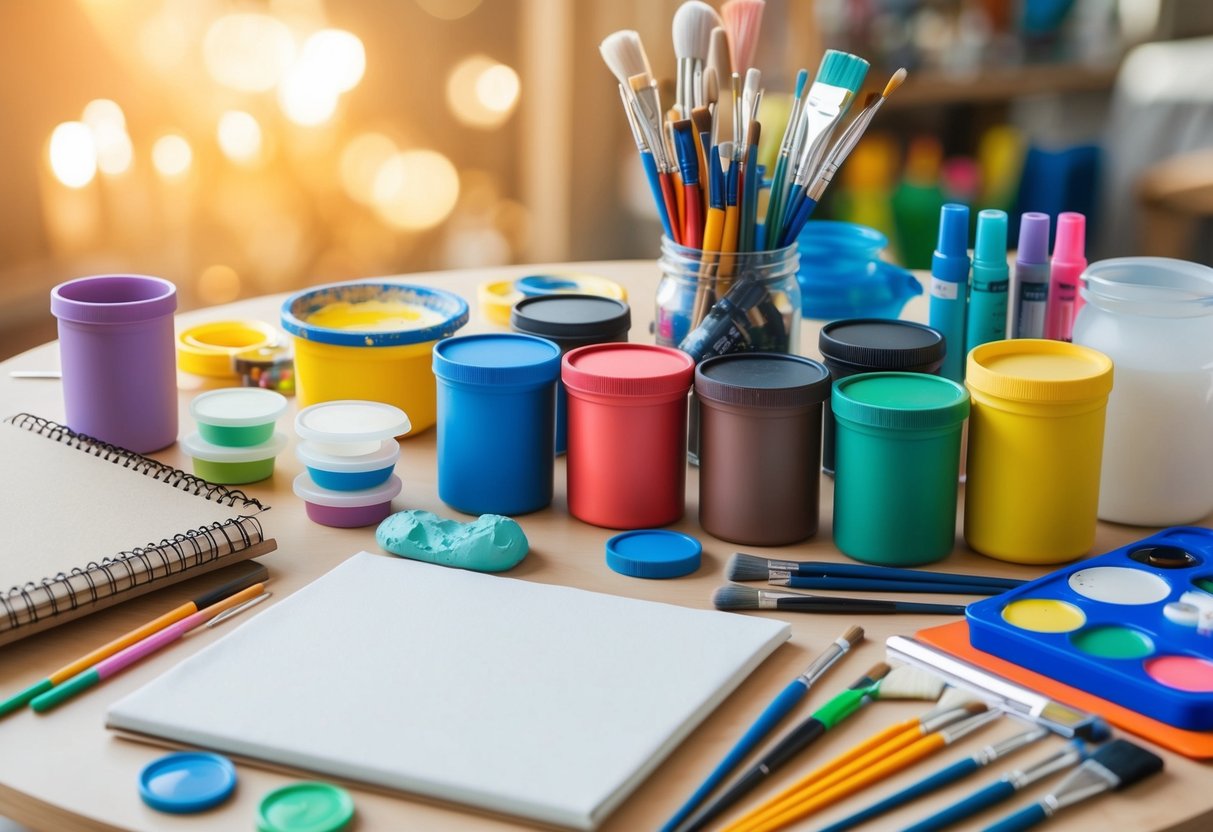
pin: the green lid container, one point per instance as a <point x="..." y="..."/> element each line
<point x="898" y="450"/>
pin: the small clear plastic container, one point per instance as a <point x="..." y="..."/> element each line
<point x="237" y="417"/>
<point x="346" y="509"/>
<point x="233" y="465"/>
<point x="349" y="473"/>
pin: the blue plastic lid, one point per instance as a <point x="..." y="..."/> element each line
<point x="305" y="807"/>
<point x="653" y="553"/>
<point x="497" y="358"/>
<point x="437" y="314"/>
<point x="187" y="782"/>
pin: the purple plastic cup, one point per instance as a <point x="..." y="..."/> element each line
<point x="117" y="356"/>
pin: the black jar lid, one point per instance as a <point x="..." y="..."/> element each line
<point x="569" y="317"/>
<point x="882" y="344"/>
<point x="762" y="379"/>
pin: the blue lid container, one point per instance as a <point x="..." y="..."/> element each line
<point x="496" y="422"/>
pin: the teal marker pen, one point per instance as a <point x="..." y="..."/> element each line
<point x="991" y="278"/>
<point x="950" y="287"/>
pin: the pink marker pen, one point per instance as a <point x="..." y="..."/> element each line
<point x="1069" y="261"/>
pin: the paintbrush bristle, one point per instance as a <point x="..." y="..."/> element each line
<point x="877" y="671"/>
<point x="718" y="51"/>
<point x="753" y="133"/>
<point x="907" y="682"/>
<point x="735" y="598"/>
<point x="692" y="28"/>
<point x="853" y="636"/>
<point x="624" y="55"/>
<point x="896" y="81"/>
<point x="743" y="20"/>
<point x="702" y="119"/>
<point x="711" y="87"/>
<point x="842" y="69"/>
<point x="955" y="697"/>
<point x="802" y="79"/>
<point x="1127" y="762"/>
<point x="870" y="99"/>
<point x="743" y="567"/>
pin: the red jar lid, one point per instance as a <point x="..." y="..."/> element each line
<point x="624" y="369"/>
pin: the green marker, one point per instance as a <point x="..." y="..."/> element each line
<point x="991" y="278"/>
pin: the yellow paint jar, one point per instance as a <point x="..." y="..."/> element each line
<point x="371" y="341"/>
<point x="1035" y="442"/>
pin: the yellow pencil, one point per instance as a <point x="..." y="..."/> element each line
<point x="83" y="663"/>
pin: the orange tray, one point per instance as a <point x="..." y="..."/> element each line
<point x="954" y="639"/>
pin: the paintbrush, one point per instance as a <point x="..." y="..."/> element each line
<point x="745" y="598"/>
<point x="877" y="585"/>
<point x="840" y="76"/>
<point x="839" y="152"/>
<point x="1010" y="783"/>
<point x="743" y="22"/>
<point x="878" y="746"/>
<point x="877" y="683"/>
<point x="1115" y="766"/>
<point x="688" y="164"/>
<point x="718" y="70"/>
<point x="749" y="197"/>
<point x="649" y="163"/>
<point x="780" y="707"/>
<point x="779" y="178"/>
<point x="692" y="32"/>
<point x="743" y="567"/>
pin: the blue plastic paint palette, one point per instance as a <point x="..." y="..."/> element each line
<point x="1133" y="626"/>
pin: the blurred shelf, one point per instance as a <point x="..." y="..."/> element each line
<point x="932" y="88"/>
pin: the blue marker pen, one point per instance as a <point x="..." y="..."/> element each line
<point x="1031" y="277"/>
<point x="950" y="287"/>
<point x="988" y="296"/>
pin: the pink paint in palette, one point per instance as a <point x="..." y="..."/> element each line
<point x="1134" y="626"/>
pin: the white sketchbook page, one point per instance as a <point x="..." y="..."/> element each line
<point x="529" y="699"/>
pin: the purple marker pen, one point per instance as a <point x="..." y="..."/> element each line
<point x="1031" y="291"/>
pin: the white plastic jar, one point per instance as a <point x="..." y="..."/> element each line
<point x="1154" y="317"/>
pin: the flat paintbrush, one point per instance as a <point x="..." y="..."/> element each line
<point x="791" y="695"/>
<point x="745" y="598"/>
<point x="743" y="567"/>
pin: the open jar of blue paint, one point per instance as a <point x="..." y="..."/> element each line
<point x="842" y="275"/>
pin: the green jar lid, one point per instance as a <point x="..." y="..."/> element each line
<point x="305" y="807"/>
<point x="902" y="401"/>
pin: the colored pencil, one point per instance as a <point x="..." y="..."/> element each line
<point x="124" y="658"/>
<point x="125" y="640"/>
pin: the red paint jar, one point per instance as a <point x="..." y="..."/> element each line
<point x="627" y="434"/>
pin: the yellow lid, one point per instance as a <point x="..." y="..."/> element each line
<point x="497" y="299"/>
<point x="207" y="349"/>
<point x="1038" y="370"/>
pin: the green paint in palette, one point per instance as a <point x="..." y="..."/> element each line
<point x="1113" y="642"/>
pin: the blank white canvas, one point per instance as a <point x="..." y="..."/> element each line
<point x="535" y="700"/>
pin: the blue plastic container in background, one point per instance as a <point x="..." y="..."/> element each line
<point x="496" y="422"/>
<point x="841" y="274"/>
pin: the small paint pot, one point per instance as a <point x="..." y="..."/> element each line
<point x="348" y="473"/>
<point x="540" y="285"/>
<point x="371" y="341"/>
<point x="346" y="509"/>
<point x="237" y="417"/>
<point x="233" y="466"/>
<point x="350" y="428"/>
<point x="207" y="349"/>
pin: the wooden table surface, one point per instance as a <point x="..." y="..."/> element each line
<point x="66" y="771"/>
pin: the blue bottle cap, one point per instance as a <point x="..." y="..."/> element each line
<point x="305" y="807"/>
<point x="653" y="553"/>
<point x="187" y="782"/>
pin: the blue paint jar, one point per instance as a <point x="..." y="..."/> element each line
<point x="496" y="422"/>
<point x="841" y="274"/>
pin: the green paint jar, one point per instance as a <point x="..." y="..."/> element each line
<point x="897" y="451"/>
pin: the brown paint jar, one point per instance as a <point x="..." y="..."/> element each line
<point x="760" y="446"/>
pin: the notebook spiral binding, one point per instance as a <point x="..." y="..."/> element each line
<point x="21" y="604"/>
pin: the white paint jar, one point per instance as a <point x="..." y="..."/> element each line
<point x="1153" y="316"/>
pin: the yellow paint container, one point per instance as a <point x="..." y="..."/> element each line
<point x="373" y="342"/>
<point x="1035" y="444"/>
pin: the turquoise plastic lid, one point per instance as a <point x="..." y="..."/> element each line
<point x="653" y="553"/>
<point x="187" y="782"/>
<point x="497" y="358"/>
<point x="906" y="401"/>
<point x="305" y="807"/>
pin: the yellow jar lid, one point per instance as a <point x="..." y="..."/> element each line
<point x="207" y="349"/>
<point x="1039" y="370"/>
<point x="498" y="297"/>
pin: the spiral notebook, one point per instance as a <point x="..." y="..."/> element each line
<point x="510" y="696"/>
<point x="87" y="525"/>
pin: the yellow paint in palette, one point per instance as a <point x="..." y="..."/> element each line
<point x="374" y="316"/>
<point x="1044" y="615"/>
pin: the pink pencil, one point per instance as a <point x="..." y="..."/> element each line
<point x="125" y="658"/>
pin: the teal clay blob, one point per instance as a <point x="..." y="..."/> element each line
<point x="490" y="543"/>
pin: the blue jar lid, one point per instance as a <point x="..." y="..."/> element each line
<point x="653" y="553"/>
<point x="187" y="782"/>
<point x="497" y="358"/>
